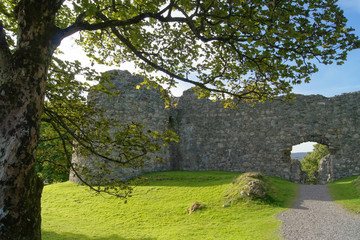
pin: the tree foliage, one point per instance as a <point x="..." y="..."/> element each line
<point x="252" y="49"/>
<point x="51" y="157"/>
<point x="310" y="163"/>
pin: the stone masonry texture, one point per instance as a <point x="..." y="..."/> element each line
<point x="250" y="138"/>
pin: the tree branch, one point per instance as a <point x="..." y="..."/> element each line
<point x="84" y="142"/>
<point x="81" y="25"/>
<point x="171" y="74"/>
<point x="63" y="141"/>
<point x="163" y="15"/>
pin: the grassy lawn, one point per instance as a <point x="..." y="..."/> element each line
<point x="346" y="192"/>
<point x="158" y="210"/>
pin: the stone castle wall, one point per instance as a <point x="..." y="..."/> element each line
<point x="131" y="105"/>
<point x="258" y="138"/>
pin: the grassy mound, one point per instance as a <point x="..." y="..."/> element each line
<point x="256" y="187"/>
<point x="346" y="192"/>
<point x="248" y="186"/>
<point x="159" y="210"/>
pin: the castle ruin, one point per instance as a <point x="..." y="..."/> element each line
<point x="258" y="138"/>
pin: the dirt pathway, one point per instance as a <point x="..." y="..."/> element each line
<point x="316" y="217"/>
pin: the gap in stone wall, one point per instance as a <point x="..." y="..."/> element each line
<point x="310" y="165"/>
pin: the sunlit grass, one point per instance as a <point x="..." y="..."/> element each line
<point x="158" y="210"/>
<point x="347" y="192"/>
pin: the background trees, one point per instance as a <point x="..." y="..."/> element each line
<point x="310" y="163"/>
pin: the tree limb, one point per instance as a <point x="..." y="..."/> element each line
<point x="171" y="74"/>
<point x="161" y="16"/>
<point x="81" y="25"/>
<point x="98" y="190"/>
<point x="85" y="142"/>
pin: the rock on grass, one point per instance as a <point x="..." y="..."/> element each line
<point x="194" y="207"/>
<point x="248" y="186"/>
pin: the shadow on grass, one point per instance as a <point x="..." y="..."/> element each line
<point x="189" y="178"/>
<point x="73" y="236"/>
<point x="344" y="189"/>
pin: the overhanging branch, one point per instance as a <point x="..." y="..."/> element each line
<point x="171" y="74"/>
<point x="87" y="143"/>
<point x="163" y="16"/>
<point x="81" y="25"/>
<point x="74" y="170"/>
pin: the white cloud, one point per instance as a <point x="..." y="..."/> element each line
<point x="304" y="147"/>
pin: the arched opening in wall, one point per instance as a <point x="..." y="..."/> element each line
<point x="309" y="154"/>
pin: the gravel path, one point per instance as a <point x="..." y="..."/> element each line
<point x="316" y="217"/>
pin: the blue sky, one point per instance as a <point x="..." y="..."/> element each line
<point x="334" y="80"/>
<point x="329" y="81"/>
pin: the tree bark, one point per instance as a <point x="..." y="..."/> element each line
<point x="20" y="188"/>
<point x="23" y="74"/>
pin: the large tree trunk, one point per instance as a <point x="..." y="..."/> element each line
<point x="20" y="188"/>
<point x="22" y="89"/>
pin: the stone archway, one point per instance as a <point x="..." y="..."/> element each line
<point x="326" y="172"/>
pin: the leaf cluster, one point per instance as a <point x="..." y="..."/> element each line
<point x="51" y="163"/>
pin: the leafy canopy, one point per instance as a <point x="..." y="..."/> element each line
<point x="255" y="49"/>
<point x="249" y="48"/>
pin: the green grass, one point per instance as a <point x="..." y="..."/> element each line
<point x="346" y="192"/>
<point x="158" y="210"/>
